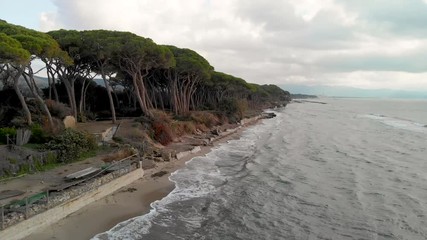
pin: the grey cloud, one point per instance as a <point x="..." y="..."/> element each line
<point x="391" y="17"/>
<point x="273" y="15"/>
<point x="283" y="28"/>
<point x="267" y="41"/>
<point x="411" y="62"/>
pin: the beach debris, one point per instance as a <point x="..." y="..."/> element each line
<point x="167" y="156"/>
<point x="159" y="174"/>
<point x="82" y="173"/>
<point x="148" y="164"/>
<point x="207" y="142"/>
<point x="10" y="193"/>
<point x="131" y="189"/>
<point x="268" y="115"/>
<point x="216" y="131"/>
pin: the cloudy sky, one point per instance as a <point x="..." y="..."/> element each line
<point x="364" y="43"/>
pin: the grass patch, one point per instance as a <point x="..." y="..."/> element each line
<point x="181" y="128"/>
<point x="25" y="169"/>
<point x="10" y="177"/>
<point x="88" y="154"/>
<point x="118" y="155"/>
<point x="206" y="118"/>
<point x="94" y="152"/>
<point x="49" y="166"/>
<point x="33" y="146"/>
<point x="118" y="139"/>
<point x="12" y="160"/>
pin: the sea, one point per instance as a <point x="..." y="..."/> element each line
<point x="331" y="168"/>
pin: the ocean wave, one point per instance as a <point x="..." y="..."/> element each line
<point x="398" y="122"/>
<point x="347" y="178"/>
<point x="198" y="179"/>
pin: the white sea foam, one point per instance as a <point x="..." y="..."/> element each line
<point x="398" y="123"/>
<point x="199" y="178"/>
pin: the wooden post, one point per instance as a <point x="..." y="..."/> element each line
<point x="2" y="217"/>
<point x="140" y="160"/>
<point x="26" y="208"/>
<point x="47" y="199"/>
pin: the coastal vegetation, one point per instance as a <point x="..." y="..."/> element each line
<point x="102" y="74"/>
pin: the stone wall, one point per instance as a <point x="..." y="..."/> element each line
<point x="15" y="159"/>
<point x="60" y="204"/>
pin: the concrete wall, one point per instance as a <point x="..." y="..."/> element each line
<point x="25" y="228"/>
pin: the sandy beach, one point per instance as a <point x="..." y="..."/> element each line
<point x="128" y="202"/>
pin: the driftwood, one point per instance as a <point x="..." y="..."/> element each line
<point x="159" y="174"/>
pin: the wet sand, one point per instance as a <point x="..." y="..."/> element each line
<point x="128" y="202"/>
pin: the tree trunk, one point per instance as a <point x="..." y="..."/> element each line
<point x="55" y="92"/>
<point x="138" y="93"/>
<point x="68" y="77"/>
<point x="82" y="96"/>
<point x="20" y="96"/>
<point x="35" y="91"/>
<point x="51" y="79"/>
<point x="110" y="97"/>
<point x="73" y="99"/>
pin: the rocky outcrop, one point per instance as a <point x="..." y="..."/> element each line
<point x="268" y="115"/>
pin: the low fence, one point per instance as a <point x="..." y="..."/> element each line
<point x="20" y="210"/>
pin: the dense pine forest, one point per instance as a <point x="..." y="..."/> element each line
<point x="111" y="75"/>
<point x="137" y="75"/>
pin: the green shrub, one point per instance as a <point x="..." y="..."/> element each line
<point x="38" y="135"/>
<point x="144" y="121"/>
<point x="161" y="116"/>
<point x="234" y="109"/>
<point x="228" y="106"/>
<point x="6" y="131"/>
<point x="12" y="160"/>
<point x="24" y="168"/>
<point x="51" y="158"/>
<point x="118" y="139"/>
<point x="38" y="164"/>
<point x="51" y="161"/>
<point x="71" y="144"/>
<point x="189" y="127"/>
<point x="206" y="118"/>
<point x="160" y="127"/>
<point x="183" y="118"/>
<point x="182" y="128"/>
<point x="242" y="107"/>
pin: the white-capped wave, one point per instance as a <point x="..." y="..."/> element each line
<point x="199" y="178"/>
<point x="398" y="123"/>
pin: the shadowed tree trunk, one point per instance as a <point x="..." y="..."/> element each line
<point x="29" y="79"/>
<point x="21" y="98"/>
<point x="110" y="96"/>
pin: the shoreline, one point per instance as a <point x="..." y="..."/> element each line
<point x="131" y="201"/>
